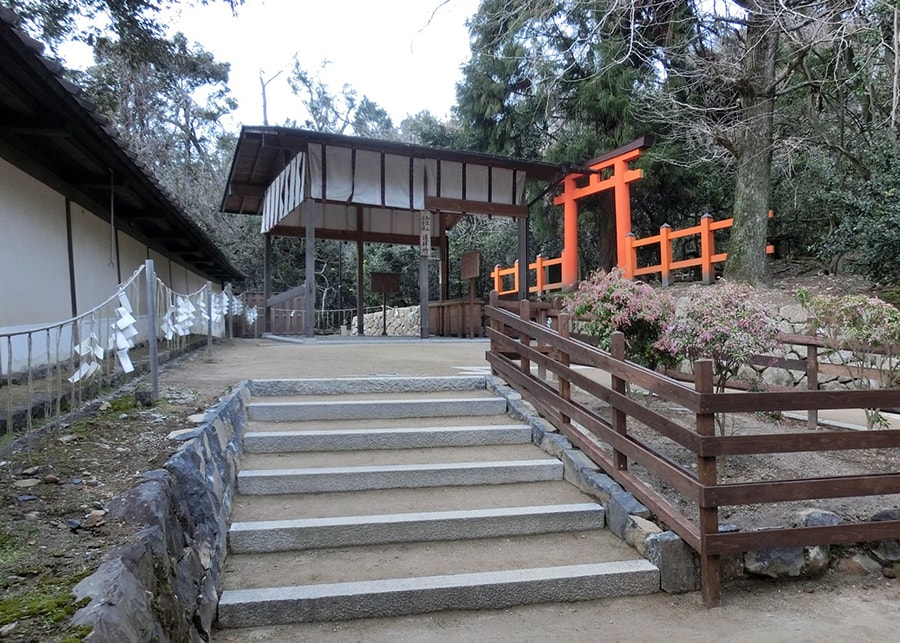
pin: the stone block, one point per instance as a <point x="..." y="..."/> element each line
<point x="679" y="566"/>
<point x="776" y="562"/>
<point x="598" y="485"/>
<point x="886" y="552"/>
<point x="521" y="410"/>
<point x="621" y="506"/>
<point x="555" y="444"/>
<point x="637" y="531"/>
<point x="576" y="464"/>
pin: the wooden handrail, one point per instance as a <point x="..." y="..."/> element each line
<point x="517" y="343"/>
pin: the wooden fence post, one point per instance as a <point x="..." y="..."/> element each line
<point x="525" y="314"/>
<point x="812" y="383"/>
<point x="498" y="280"/>
<point x="619" y="385"/>
<point x="710" y="577"/>
<point x="493" y="302"/>
<point x="565" y="388"/>
<point x="542" y="320"/>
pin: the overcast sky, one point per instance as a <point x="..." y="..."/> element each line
<point x="385" y="49"/>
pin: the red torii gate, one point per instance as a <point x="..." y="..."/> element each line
<point x="606" y="172"/>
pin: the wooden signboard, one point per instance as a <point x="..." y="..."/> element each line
<point x="470" y="265"/>
<point x="385" y="282"/>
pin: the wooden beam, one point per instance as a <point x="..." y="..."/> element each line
<point x="464" y="206"/>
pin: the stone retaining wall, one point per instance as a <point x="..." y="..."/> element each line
<point x="403" y="322"/>
<point x="165" y="585"/>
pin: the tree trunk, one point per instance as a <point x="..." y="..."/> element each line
<point x="747" y="247"/>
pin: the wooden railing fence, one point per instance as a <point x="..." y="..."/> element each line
<point x="706" y="255"/>
<point x="530" y="335"/>
<point x="542" y="282"/>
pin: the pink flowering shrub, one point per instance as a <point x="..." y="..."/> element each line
<point x="608" y="302"/>
<point x="851" y="326"/>
<point x="724" y="323"/>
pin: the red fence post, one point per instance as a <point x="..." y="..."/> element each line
<point x="665" y="254"/>
<point x="707" y="249"/>
<point x="540" y="281"/>
<point x="629" y="262"/>
<point x="710" y="577"/>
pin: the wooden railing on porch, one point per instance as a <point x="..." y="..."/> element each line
<point x="521" y="338"/>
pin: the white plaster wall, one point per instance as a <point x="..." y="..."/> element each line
<point x="34" y="264"/>
<point x="161" y="266"/>
<point x="96" y="274"/>
<point x="133" y="255"/>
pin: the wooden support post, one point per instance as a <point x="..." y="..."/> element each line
<point x="525" y="314"/>
<point x="565" y="388"/>
<point x="309" y="303"/>
<point x="360" y="278"/>
<point x="444" y="250"/>
<point x="522" y="264"/>
<point x="472" y="311"/>
<point x="665" y="254"/>
<point x="812" y="383"/>
<point x="493" y="302"/>
<point x="710" y="576"/>
<point x="267" y="283"/>
<point x="707" y="249"/>
<point x="498" y="280"/>
<point x="619" y="385"/>
<point x="542" y="320"/>
<point x="516" y="279"/>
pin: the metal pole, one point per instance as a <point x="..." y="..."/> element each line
<point x="152" y="327"/>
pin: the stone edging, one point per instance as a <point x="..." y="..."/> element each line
<point x="165" y="585"/>
<point x="679" y="565"/>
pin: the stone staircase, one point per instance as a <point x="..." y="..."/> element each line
<point x="387" y="496"/>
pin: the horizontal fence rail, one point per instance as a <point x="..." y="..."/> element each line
<point x="542" y="281"/>
<point x="533" y="341"/>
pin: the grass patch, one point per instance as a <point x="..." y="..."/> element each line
<point x="12" y="544"/>
<point x="47" y="602"/>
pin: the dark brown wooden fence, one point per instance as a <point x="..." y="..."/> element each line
<point x="536" y="335"/>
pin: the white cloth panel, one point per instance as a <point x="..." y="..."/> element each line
<point x="285" y="193"/>
<point x="361" y="184"/>
<point x="502" y="188"/>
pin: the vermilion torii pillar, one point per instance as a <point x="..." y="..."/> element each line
<point x="609" y="171"/>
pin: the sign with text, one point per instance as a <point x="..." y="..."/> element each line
<point x="425" y="234"/>
<point x="470" y="265"/>
<point x="385" y="282"/>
